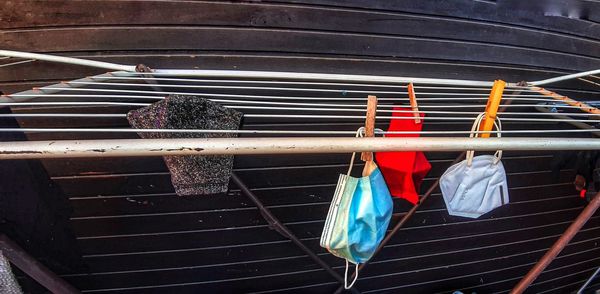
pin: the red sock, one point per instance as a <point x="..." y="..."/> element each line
<point x="403" y="171"/>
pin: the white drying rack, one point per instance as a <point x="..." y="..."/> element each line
<point x="277" y="107"/>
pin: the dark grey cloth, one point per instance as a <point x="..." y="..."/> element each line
<point x="193" y="174"/>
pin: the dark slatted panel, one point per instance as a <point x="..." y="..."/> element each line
<point x="138" y="237"/>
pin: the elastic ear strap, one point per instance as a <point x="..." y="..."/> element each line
<point x="346" y="286"/>
<point x="359" y="133"/>
<point x="498" y="125"/>
<point x="475" y="127"/>
<point x="351" y="163"/>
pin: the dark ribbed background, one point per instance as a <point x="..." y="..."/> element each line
<point x="137" y="237"/>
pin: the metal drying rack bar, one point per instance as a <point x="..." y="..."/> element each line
<point x="279" y="145"/>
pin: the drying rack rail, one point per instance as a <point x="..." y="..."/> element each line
<point x="305" y="112"/>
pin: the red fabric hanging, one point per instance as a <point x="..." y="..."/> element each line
<point x="404" y="171"/>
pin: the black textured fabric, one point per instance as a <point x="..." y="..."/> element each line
<point x="191" y="174"/>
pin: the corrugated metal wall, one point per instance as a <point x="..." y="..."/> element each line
<point x="137" y="237"/>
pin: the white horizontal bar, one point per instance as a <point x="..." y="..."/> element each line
<point x="578" y="125"/>
<point x="308" y="116"/>
<point x="335" y="91"/>
<point x="482" y="97"/>
<point x="281" y="132"/>
<point x="69" y="60"/>
<point x="238" y="146"/>
<point x="360" y="108"/>
<point x="76" y="103"/>
<point x="556" y="103"/>
<point x="132" y="76"/>
<point x="319" y="77"/>
<point x="353" y="78"/>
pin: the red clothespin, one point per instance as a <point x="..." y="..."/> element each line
<point x="369" y="132"/>
<point x="413" y="103"/>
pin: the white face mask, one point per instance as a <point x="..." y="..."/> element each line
<point x="476" y="185"/>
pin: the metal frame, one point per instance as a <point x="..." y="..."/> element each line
<point x="33" y="268"/>
<point x="558" y="246"/>
<point x="95" y="148"/>
<point x="280" y="228"/>
<point x="592" y="277"/>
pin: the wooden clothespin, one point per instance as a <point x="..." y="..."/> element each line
<point x="369" y="132"/>
<point x="491" y="108"/>
<point x="413" y="103"/>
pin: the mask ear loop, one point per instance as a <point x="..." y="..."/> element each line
<point x="346" y="286"/>
<point x="498" y="154"/>
<point x="476" y="125"/>
<point x="359" y="133"/>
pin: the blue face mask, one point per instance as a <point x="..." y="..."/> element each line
<point x="358" y="217"/>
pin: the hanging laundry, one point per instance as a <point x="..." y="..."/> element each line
<point x="477" y="185"/>
<point x="404" y="171"/>
<point x="358" y="217"/>
<point x="191" y="174"/>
